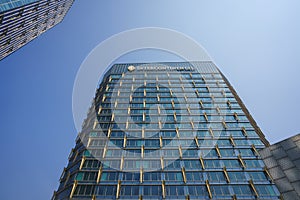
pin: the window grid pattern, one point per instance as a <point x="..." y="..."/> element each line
<point x="208" y="149"/>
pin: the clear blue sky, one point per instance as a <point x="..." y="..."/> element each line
<point x="256" y="44"/>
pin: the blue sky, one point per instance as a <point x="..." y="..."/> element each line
<point x="256" y="44"/>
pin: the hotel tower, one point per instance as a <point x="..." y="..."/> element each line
<point x="173" y="130"/>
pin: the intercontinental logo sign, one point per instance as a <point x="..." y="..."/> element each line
<point x="159" y="68"/>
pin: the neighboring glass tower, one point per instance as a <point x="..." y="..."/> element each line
<point x="23" y="20"/>
<point x="167" y="131"/>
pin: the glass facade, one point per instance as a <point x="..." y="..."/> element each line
<point x="167" y="131"/>
<point x="23" y="20"/>
<point x="10" y="4"/>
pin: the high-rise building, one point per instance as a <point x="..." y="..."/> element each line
<point x="167" y="131"/>
<point x="23" y="20"/>
<point x="283" y="162"/>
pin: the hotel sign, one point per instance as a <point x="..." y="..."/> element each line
<point x="160" y="68"/>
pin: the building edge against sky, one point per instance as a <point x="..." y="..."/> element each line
<point x="207" y="147"/>
<point x="23" y="21"/>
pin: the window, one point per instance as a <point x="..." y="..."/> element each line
<point x="234" y="133"/>
<point x="109" y="176"/>
<point x="95" y="153"/>
<point x="223" y="143"/>
<point x="171" y="143"/>
<point x="237" y="176"/>
<point x="134" y="134"/>
<point x="203" y="134"/>
<point x="94" y="134"/>
<point x="194" y="176"/>
<point x="87" y="176"/>
<point x="213" y="164"/>
<point x="231" y="163"/>
<point x="86" y="190"/>
<point x="134" y="143"/>
<point x="151" y="134"/>
<point x="118" y="143"/>
<point x="87" y="153"/>
<point x="187" y="143"/>
<point x="114" y="164"/>
<point x="220" y="191"/>
<point x="174" y="190"/>
<point x="129" y="190"/>
<point x="171" y="164"/>
<point x="207" y="143"/>
<point x="173" y="176"/>
<point x="131" y="176"/>
<point x="151" y="164"/>
<point x="91" y="164"/>
<point x="152" y="176"/>
<point x="198" y="190"/>
<point x="258" y="176"/>
<point x="245" y="124"/>
<point x="105" y="119"/>
<point x="132" y="164"/>
<point x="242" y="190"/>
<point x="114" y="153"/>
<point x="243" y="118"/>
<point x="241" y="142"/>
<point x="216" y="176"/>
<point x="192" y="164"/>
<point x="265" y="190"/>
<point x="97" y="142"/>
<point x="132" y="153"/>
<point x="190" y="153"/>
<point x="188" y="134"/>
<point x="150" y="153"/>
<point x="246" y="152"/>
<point x="251" y="133"/>
<point x="256" y="142"/>
<point x="170" y="126"/>
<point x="169" y="134"/>
<point x="152" y="143"/>
<point x="153" y="190"/>
<point x="232" y="125"/>
<point x="207" y="153"/>
<point x="227" y="152"/>
<point x="252" y="164"/>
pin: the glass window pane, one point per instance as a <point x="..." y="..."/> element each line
<point x="153" y="190"/>
<point x="237" y="176"/>
<point x="216" y="176"/>
<point x="220" y="191"/>
<point x="242" y="190"/>
<point x="265" y="190"/>
<point x="198" y="190"/>
<point x="174" y="190"/>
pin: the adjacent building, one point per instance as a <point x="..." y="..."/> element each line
<point x="23" y="20"/>
<point x="167" y="131"/>
<point x="283" y="162"/>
